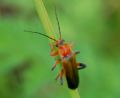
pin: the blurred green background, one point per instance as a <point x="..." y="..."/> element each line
<point x="92" y="25"/>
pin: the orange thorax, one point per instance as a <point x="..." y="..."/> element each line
<point x="64" y="50"/>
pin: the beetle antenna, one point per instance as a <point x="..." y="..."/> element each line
<point x="58" y="22"/>
<point x="41" y="34"/>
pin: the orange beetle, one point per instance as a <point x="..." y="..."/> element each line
<point x="67" y="58"/>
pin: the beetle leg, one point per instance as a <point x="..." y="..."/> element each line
<point x="57" y="62"/>
<point x="57" y="76"/>
<point x="53" y="52"/>
<point x="80" y="66"/>
<point x="61" y="76"/>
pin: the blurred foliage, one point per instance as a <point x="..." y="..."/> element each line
<point x="92" y="25"/>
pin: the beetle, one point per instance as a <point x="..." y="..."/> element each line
<point x="67" y="57"/>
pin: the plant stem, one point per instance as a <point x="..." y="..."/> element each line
<point x="44" y="18"/>
<point x="50" y="31"/>
<point x="75" y="93"/>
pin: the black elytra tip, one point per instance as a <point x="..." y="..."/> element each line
<point x="72" y="85"/>
<point x="73" y="82"/>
